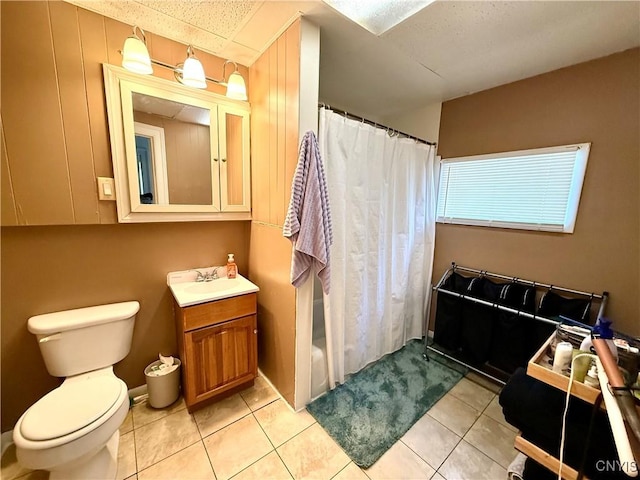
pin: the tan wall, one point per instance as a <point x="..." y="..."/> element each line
<point x="188" y="156"/>
<point x="422" y="122"/>
<point x="54" y="123"/>
<point x="274" y="154"/>
<point x="597" y="102"/>
<point x="46" y="269"/>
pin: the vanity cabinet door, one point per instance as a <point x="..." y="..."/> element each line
<point x="219" y="358"/>
<point x="233" y="141"/>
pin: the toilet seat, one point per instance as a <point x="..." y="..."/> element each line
<point x="70" y="408"/>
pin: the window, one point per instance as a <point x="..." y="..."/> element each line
<point x="530" y="189"/>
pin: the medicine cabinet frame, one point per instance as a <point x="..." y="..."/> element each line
<point x="120" y="84"/>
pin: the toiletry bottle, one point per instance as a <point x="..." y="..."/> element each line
<point x="591" y="378"/>
<point x="232" y="268"/>
<point x="562" y="358"/>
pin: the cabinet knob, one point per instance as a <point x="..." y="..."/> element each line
<point x="224" y="159"/>
<point x="255" y="331"/>
<point x="215" y="159"/>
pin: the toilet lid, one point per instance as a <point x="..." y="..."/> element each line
<point x="70" y="407"/>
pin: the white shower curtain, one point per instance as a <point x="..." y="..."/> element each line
<point x="382" y="197"/>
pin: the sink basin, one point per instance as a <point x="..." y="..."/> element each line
<point x="188" y="292"/>
<point x="219" y="285"/>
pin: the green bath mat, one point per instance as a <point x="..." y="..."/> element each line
<point x="376" y="406"/>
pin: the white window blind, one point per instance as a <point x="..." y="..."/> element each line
<point x="531" y="189"/>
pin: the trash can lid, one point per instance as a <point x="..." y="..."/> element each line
<point x="70" y="407"/>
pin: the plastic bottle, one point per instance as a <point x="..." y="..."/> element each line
<point x="232" y="268"/>
<point x="591" y="378"/>
<point x="562" y="358"/>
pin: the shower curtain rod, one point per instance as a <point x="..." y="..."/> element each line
<point x="375" y="124"/>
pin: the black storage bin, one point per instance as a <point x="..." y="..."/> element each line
<point x="478" y="320"/>
<point x="448" y="322"/>
<point x="509" y="345"/>
<point x="555" y="306"/>
<point x="473" y="327"/>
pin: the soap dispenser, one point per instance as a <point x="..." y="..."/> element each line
<point x="232" y="268"/>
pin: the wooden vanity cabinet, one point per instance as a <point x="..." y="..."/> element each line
<point x="217" y="343"/>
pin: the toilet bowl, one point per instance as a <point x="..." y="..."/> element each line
<point x="73" y="430"/>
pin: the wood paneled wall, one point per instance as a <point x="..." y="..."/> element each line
<point x="275" y="91"/>
<point x="274" y="80"/>
<point x="597" y="102"/>
<point x="55" y="138"/>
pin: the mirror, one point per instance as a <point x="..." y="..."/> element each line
<point x="173" y="151"/>
<point x="179" y="154"/>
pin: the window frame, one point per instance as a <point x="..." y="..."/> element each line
<point x="573" y="200"/>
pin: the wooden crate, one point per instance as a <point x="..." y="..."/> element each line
<point x="538" y="368"/>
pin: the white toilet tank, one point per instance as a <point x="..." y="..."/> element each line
<point x="84" y="339"/>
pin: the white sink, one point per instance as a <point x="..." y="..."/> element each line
<point x="188" y="292"/>
<point x="215" y="286"/>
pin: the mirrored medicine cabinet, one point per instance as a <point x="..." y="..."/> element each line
<point x="179" y="154"/>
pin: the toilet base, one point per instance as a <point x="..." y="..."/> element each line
<point x="100" y="466"/>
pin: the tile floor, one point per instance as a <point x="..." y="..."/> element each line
<point x="255" y="435"/>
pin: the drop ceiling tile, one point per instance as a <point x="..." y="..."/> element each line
<point x="240" y="54"/>
<point x="268" y="22"/>
<point x="154" y="21"/>
<point x="221" y="17"/>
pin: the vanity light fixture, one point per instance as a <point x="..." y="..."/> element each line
<point x="236" y="89"/>
<point x="135" y="58"/>
<point x="190" y="72"/>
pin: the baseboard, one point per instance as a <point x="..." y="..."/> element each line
<point x="266" y="379"/>
<point x="137" y="392"/>
<point x="6" y="440"/>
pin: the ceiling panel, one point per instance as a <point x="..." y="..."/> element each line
<point x="269" y="21"/>
<point x="224" y="17"/>
<point x="478" y="45"/>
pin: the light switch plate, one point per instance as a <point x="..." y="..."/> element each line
<point x="106" y="188"/>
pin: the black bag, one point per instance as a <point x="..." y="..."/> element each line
<point x="509" y="343"/>
<point x="553" y="306"/>
<point x="448" y="322"/>
<point x="478" y="320"/>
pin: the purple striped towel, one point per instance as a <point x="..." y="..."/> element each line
<point x="308" y="222"/>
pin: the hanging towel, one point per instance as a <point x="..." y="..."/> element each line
<point x="308" y="222"/>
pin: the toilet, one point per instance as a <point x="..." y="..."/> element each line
<point x="73" y="430"/>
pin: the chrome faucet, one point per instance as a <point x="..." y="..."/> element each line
<point x="207" y="277"/>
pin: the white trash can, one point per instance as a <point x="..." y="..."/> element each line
<point x="163" y="389"/>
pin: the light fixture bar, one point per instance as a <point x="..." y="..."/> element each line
<point x="136" y="58"/>
<point x="175" y="67"/>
